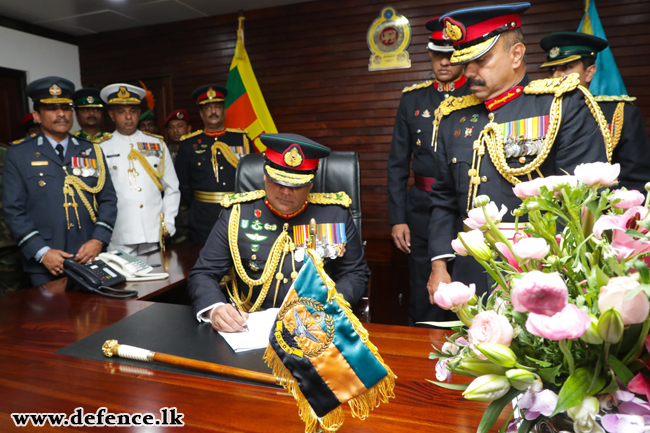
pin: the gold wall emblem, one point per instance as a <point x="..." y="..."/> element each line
<point x="388" y="39"/>
<point x="211" y="93"/>
<point x="293" y="158"/>
<point x="123" y="93"/>
<point x="454" y="31"/>
<point x="55" y="90"/>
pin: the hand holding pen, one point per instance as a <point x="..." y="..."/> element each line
<point x="239" y="311"/>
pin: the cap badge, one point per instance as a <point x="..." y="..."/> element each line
<point x="293" y="158"/>
<point x="55" y="90"/>
<point x="123" y="93"/>
<point x="211" y="93"/>
<point x="91" y="99"/>
<point x="179" y="115"/>
<point x="555" y="51"/>
<point x="455" y="30"/>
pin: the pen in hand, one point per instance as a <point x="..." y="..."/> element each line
<point x="239" y="311"/>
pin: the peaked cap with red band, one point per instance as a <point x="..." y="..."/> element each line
<point x="291" y="159"/>
<point x="210" y="93"/>
<point x="474" y="31"/>
<point x="178" y="115"/>
<point x="438" y="41"/>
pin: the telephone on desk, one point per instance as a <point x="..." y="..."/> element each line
<point x="109" y="269"/>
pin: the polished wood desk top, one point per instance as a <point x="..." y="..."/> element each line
<point x="178" y="260"/>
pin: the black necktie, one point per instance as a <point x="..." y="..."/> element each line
<point x="59" y="150"/>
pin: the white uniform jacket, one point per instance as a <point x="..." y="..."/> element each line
<point x="139" y="201"/>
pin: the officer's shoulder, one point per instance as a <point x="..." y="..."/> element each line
<point x="237" y="130"/>
<point x="612" y="98"/>
<point x="23" y="140"/>
<point x="191" y="134"/>
<point x="76" y="133"/>
<point x="81" y="140"/>
<point x="159" y="137"/>
<point x="455" y="103"/>
<point x="417" y="86"/>
<point x="105" y="136"/>
<point x="337" y="198"/>
<point x="242" y="197"/>
<point x="556" y="86"/>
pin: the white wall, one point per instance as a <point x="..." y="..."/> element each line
<point x="39" y="57"/>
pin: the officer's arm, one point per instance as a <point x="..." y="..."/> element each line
<point x="633" y="150"/>
<point x="14" y="199"/>
<point x="579" y="139"/>
<point x="214" y="262"/>
<point x="350" y="272"/>
<point x="183" y="168"/>
<point x="107" y="209"/>
<point x="399" y="167"/>
<point x="171" y="194"/>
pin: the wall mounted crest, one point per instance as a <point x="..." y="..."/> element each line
<point x="388" y="38"/>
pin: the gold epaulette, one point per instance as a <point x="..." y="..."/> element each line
<point x="339" y="198"/>
<point x="417" y="86"/>
<point x="105" y="136"/>
<point x="191" y="134"/>
<point x="611" y="98"/>
<point x="76" y="133"/>
<point x="454" y="103"/>
<point x="13" y="143"/>
<point x="242" y="197"/>
<point x="160" y="137"/>
<point x="237" y="130"/>
<point x="557" y="86"/>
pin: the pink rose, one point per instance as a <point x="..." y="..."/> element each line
<point x="489" y="327"/>
<point x="570" y="323"/>
<point x="612" y="295"/>
<point x="531" y="248"/>
<point x="454" y="295"/>
<point x="627" y="199"/>
<point x="477" y="218"/>
<point x="458" y="246"/>
<point x="597" y="173"/>
<point x="553" y="183"/>
<point x="539" y="293"/>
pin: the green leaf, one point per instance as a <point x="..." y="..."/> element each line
<point x="620" y="370"/>
<point x="576" y="388"/>
<point x="632" y="293"/>
<point x="526" y="425"/>
<point x="613" y="385"/>
<point x="454" y="386"/>
<point x="452" y="324"/>
<point x="601" y="277"/>
<point x="550" y="374"/>
<point x="495" y="408"/>
<point x="636" y="234"/>
<point x="539" y="362"/>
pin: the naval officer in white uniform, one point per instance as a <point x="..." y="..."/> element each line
<point x="143" y="173"/>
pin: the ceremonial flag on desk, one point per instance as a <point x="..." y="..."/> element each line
<point x="607" y="80"/>
<point x="245" y="105"/>
<point x="322" y="351"/>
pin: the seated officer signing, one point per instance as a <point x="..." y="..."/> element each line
<point x="261" y="236"/>
<point x="59" y="202"/>
<point x="575" y="53"/>
<point x="511" y="129"/>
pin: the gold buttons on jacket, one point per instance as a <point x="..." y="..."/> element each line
<point x="522" y="160"/>
<point x="253" y="257"/>
<point x="40" y="174"/>
<point x="454" y="160"/>
<point x="41" y="183"/>
<point x="484" y="179"/>
<point x="199" y="164"/>
<point x="141" y="206"/>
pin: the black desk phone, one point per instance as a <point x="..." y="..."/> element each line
<point x="95" y="277"/>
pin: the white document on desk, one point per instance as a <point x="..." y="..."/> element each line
<point x="259" y="326"/>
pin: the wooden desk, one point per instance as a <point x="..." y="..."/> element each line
<point x="35" y="323"/>
<point x="177" y="260"/>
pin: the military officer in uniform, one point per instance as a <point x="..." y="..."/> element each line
<point x="147" y="122"/>
<point x="530" y="128"/>
<point x="90" y="115"/>
<point x="572" y="52"/>
<point x="207" y="160"/>
<point x="59" y="201"/>
<point x="177" y="125"/>
<point x="261" y="238"/>
<point x="143" y="174"/>
<point x="409" y="212"/>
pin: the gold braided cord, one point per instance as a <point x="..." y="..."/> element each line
<point x="227" y="153"/>
<point x="617" y="124"/>
<point x="556" y="86"/>
<point x="470" y="53"/>
<point x="56" y="101"/>
<point x="600" y="119"/>
<point x="339" y="198"/>
<point x="277" y="251"/>
<point x="79" y="185"/>
<point x="284" y="176"/>
<point x="417" y="86"/>
<point x="124" y="101"/>
<point x="241" y="197"/>
<point x="611" y="98"/>
<point x="153" y="174"/>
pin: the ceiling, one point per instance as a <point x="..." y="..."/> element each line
<point x="84" y="17"/>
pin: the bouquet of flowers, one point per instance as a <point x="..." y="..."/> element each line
<point x="564" y="331"/>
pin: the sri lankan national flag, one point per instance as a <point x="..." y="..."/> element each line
<point x="322" y="351"/>
<point x="245" y="105"/>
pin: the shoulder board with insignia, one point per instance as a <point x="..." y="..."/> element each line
<point x="417" y="86"/>
<point x="160" y="137"/>
<point x="611" y="98"/>
<point x="339" y="198"/>
<point x="556" y="86"/>
<point x="104" y="137"/>
<point x="242" y="197"/>
<point x="455" y="103"/>
<point x="76" y="133"/>
<point x="13" y="143"/>
<point x="191" y="134"/>
<point x="237" y="130"/>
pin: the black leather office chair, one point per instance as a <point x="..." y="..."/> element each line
<point x="338" y="172"/>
